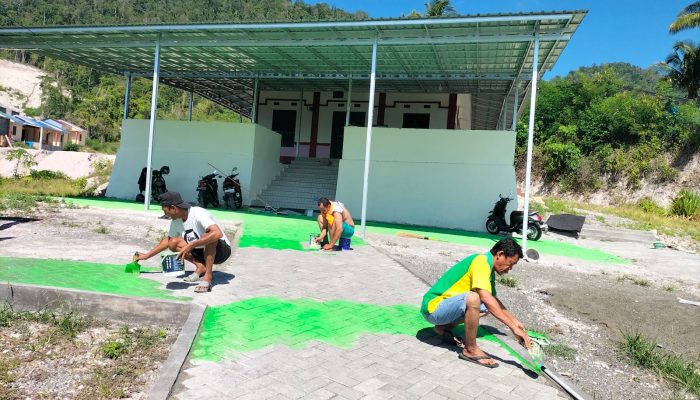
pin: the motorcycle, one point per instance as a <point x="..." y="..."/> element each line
<point x="496" y="221"/>
<point x="158" y="186"/>
<point x="208" y="190"/>
<point x="233" y="197"/>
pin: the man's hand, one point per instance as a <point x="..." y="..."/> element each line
<point x="318" y="239"/>
<point x="184" y="252"/>
<point x="522" y="336"/>
<point x="140" y="256"/>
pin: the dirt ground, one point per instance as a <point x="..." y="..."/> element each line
<point x="586" y="306"/>
<point x="583" y="305"/>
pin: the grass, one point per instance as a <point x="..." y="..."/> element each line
<point x="644" y="353"/>
<point x="556" y="206"/>
<point x="92" y="145"/>
<point x="642" y="219"/>
<point x="507" y="281"/>
<point x="22" y="202"/>
<point x="60" y="187"/>
<point x="560" y="350"/>
<point x="635" y="280"/>
<point x="101" y="229"/>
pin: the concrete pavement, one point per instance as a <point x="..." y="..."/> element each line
<point x="258" y="361"/>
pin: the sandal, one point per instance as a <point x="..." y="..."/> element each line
<point x="449" y="338"/>
<point x="476" y="359"/>
<point x="193" y="277"/>
<point x="203" y="287"/>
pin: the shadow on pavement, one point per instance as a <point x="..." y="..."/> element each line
<point x="15" y="221"/>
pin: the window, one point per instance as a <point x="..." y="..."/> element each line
<point x="416" y="121"/>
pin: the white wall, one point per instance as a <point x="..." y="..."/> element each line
<point x="186" y="147"/>
<point x="396" y="105"/>
<point x="442" y="178"/>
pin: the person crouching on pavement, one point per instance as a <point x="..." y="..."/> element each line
<point x="196" y="237"/>
<point x="467" y="292"/>
<point x="335" y="220"/>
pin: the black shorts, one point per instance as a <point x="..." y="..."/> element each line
<point x="223" y="252"/>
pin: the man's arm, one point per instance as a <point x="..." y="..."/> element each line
<point x="496" y="309"/>
<point x="161" y="246"/>
<point x="211" y="235"/>
<point x="338" y="225"/>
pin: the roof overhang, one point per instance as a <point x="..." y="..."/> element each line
<point x="484" y="55"/>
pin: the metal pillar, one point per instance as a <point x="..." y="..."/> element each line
<point x="515" y="108"/>
<point x="347" y="106"/>
<point x="152" y="125"/>
<point x="127" y="92"/>
<point x="189" y="117"/>
<point x="41" y="138"/>
<point x="297" y="134"/>
<point x="530" y="135"/>
<point x="368" y="144"/>
<point x="254" y="112"/>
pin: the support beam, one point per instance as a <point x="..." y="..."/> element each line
<point x="515" y="108"/>
<point x="41" y="138"/>
<point x="127" y="92"/>
<point x="452" y="111"/>
<point x="152" y="125"/>
<point x="315" y="111"/>
<point x="368" y="144"/>
<point x="189" y="116"/>
<point x="381" y="111"/>
<point x="530" y="136"/>
<point x="348" y="104"/>
<point x="254" y="113"/>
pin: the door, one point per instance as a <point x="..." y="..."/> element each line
<point x="284" y="122"/>
<point x="357" y="118"/>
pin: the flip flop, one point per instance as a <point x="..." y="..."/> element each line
<point x="203" y="287"/>
<point x="449" y="338"/>
<point x="476" y="359"/>
<point x="193" y="277"/>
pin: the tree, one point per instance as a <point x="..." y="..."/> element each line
<point x="683" y="66"/>
<point x="23" y="158"/>
<point x="688" y="18"/>
<point x="439" y="8"/>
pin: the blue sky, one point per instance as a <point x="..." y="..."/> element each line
<point x="614" y="30"/>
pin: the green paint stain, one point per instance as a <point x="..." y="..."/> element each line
<point x="102" y="278"/>
<point x="279" y="232"/>
<point x="292" y="232"/>
<point x="259" y="322"/>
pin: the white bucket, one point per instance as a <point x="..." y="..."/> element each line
<point x="172" y="266"/>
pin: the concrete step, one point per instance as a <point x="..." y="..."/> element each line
<point x="312" y="171"/>
<point x="301" y="187"/>
<point x="614" y="234"/>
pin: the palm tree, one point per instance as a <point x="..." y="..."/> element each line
<point x="440" y="8"/>
<point x="683" y="66"/>
<point x="687" y="19"/>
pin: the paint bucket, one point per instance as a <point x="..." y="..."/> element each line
<point x="312" y="240"/>
<point x="344" y="243"/>
<point x="172" y="266"/>
<point x="133" y="266"/>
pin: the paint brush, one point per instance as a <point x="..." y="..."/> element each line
<point x="133" y="266"/>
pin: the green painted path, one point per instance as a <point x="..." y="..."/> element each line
<point x="291" y="232"/>
<point x="259" y="322"/>
<point x="93" y="277"/>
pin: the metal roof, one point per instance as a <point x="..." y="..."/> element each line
<point x="484" y="55"/>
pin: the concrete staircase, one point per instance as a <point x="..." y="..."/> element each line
<point x="300" y="185"/>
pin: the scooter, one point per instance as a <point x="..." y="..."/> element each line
<point x="496" y="221"/>
<point x="208" y="190"/>
<point x="233" y="197"/>
<point x="158" y="186"/>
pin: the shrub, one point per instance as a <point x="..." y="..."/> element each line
<point x="648" y="205"/>
<point x="686" y="204"/>
<point x="560" y="159"/>
<point x="71" y="147"/>
<point x="47" y="174"/>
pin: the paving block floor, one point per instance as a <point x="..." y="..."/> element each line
<point x="372" y="366"/>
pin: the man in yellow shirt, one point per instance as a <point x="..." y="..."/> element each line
<point x="335" y="220"/>
<point x="466" y="292"/>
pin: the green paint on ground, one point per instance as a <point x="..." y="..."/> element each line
<point x="259" y="322"/>
<point x="262" y="230"/>
<point x="292" y="232"/>
<point x="93" y="277"/>
<point x="487" y="241"/>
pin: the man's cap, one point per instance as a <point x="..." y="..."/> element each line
<point x="172" y="199"/>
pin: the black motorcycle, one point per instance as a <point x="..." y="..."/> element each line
<point x="158" y="186"/>
<point x="496" y="222"/>
<point x="233" y="198"/>
<point x="208" y="190"/>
